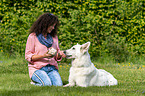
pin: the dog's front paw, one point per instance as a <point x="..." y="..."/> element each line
<point x="66" y="85"/>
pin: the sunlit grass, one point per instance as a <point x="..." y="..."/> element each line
<point x="15" y="80"/>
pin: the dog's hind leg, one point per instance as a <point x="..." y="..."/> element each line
<point x="82" y="81"/>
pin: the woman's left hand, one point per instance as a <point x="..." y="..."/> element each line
<point x="61" y="54"/>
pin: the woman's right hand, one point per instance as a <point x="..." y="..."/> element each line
<point x="37" y="57"/>
<point x="47" y="55"/>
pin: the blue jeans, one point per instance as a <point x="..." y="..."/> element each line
<point x="47" y="76"/>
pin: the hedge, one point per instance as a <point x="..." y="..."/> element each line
<point x="114" y="27"/>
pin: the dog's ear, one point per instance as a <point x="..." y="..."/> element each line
<point x="85" y="47"/>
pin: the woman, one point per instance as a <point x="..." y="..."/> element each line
<point x="43" y="67"/>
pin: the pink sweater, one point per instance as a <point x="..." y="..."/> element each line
<point x="34" y="47"/>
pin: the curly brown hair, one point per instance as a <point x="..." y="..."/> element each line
<point x="43" y="22"/>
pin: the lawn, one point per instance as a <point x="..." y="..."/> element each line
<point x="14" y="80"/>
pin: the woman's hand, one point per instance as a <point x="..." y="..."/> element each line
<point x="47" y="55"/>
<point x="61" y="54"/>
<point x="37" y="57"/>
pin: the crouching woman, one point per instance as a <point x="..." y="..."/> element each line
<point x="43" y="66"/>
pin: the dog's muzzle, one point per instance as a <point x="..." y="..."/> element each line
<point x="67" y="56"/>
<point x="64" y="52"/>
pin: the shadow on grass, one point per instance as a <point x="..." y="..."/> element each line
<point x="53" y="91"/>
<point x="72" y="91"/>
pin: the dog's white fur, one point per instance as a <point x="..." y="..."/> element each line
<point x="83" y="72"/>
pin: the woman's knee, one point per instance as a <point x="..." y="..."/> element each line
<point x="40" y="77"/>
<point x="55" y="78"/>
<point x="47" y="84"/>
<point x="58" y="84"/>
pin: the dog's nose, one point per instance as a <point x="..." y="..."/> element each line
<point x="64" y="52"/>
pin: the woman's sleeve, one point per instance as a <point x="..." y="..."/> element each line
<point x="56" y="58"/>
<point x="30" y="48"/>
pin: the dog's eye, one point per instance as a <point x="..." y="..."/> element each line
<point x="73" y="48"/>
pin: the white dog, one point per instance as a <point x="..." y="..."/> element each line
<point x="83" y="72"/>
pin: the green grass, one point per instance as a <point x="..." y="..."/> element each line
<point x="14" y="80"/>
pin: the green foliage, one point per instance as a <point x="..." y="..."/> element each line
<point x="114" y="27"/>
<point x="15" y="24"/>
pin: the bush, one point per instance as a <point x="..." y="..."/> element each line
<point x="113" y="27"/>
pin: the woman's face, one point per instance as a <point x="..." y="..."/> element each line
<point x="50" y="28"/>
